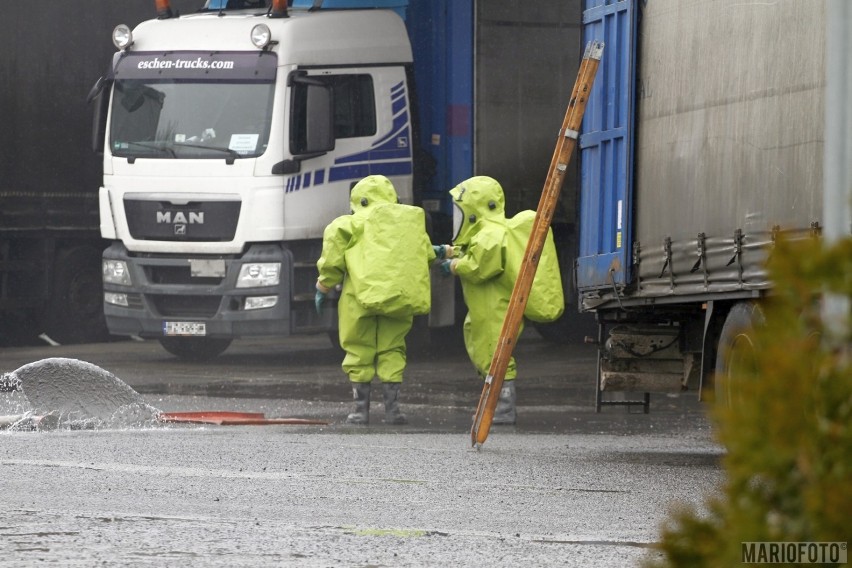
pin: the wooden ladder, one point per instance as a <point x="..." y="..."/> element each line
<point x="566" y="142"/>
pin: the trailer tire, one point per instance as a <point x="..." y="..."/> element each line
<point x="77" y="304"/>
<point x="736" y="352"/>
<point x="196" y="349"/>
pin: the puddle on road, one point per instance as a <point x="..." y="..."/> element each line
<point x="71" y="394"/>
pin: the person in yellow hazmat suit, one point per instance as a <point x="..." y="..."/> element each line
<point x="486" y="255"/>
<point x="380" y="253"/>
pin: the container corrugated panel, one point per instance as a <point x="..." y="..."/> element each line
<point x="606" y="144"/>
<point x="729" y="140"/>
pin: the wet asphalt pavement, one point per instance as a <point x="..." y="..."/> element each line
<point x="564" y="487"/>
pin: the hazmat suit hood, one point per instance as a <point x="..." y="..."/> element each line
<point x="371" y="191"/>
<point x="478" y="200"/>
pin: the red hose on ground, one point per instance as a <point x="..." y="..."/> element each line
<point x="227" y="418"/>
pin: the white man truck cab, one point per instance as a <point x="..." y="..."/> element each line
<point x="231" y="138"/>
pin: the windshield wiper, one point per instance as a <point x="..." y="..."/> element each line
<point x="153" y="146"/>
<point x="233" y="153"/>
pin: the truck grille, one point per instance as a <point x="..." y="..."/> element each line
<point x="134" y="301"/>
<point x="208" y="221"/>
<point x="186" y="306"/>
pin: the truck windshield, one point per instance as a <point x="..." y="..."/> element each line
<point x="190" y="106"/>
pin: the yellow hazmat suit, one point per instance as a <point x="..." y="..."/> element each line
<point x="488" y="251"/>
<point x="381" y="254"/>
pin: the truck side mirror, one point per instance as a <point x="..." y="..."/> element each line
<point x="100" y="96"/>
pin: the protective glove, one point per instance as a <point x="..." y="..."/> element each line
<point x="444" y="251"/>
<point x="447" y="267"/>
<point x="319" y="300"/>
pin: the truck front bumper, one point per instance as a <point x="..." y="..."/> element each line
<point x="172" y="295"/>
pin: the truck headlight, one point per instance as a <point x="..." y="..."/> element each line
<point x="261" y="36"/>
<point x="261" y="302"/>
<point x="122" y="36"/>
<point x="116" y="299"/>
<point x="259" y="274"/>
<point x="115" y="272"/>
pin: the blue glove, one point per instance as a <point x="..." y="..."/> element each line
<point x="319" y="300"/>
<point x="446" y="267"/>
<point x="440" y="251"/>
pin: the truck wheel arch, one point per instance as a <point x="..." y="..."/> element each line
<point x="76" y="313"/>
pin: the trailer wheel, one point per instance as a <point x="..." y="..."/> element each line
<point x="195" y="348"/>
<point x="736" y="353"/>
<point x="76" y="308"/>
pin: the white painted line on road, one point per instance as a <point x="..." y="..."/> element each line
<point x="205" y="472"/>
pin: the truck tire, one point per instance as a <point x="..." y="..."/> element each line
<point x="76" y="307"/>
<point x="197" y="349"/>
<point x="736" y="352"/>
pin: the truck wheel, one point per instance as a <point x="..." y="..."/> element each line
<point x="736" y="354"/>
<point x="76" y="308"/>
<point x="195" y="348"/>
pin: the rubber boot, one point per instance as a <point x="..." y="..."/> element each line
<point x="505" y="411"/>
<point x="361" y="395"/>
<point x="392" y="413"/>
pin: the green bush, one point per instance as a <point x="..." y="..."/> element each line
<point x="788" y="464"/>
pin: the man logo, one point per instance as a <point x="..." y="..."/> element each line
<point x="176" y="217"/>
<point x="180" y="229"/>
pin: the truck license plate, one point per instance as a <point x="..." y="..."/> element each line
<point x="184" y="328"/>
